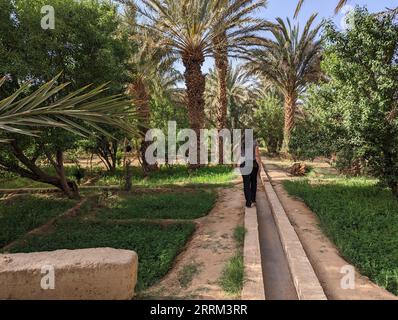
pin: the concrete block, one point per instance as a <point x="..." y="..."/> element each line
<point x="87" y="274"/>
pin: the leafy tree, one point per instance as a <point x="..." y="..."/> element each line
<point x="363" y="65"/>
<point x="291" y="61"/>
<point x="319" y="131"/>
<point x="268" y="120"/>
<point x="87" y="44"/>
<point x="359" y="102"/>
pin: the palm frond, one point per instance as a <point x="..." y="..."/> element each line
<point x="77" y="111"/>
<point x="339" y="6"/>
<point x="291" y="59"/>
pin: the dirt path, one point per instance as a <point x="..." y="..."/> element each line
<point x="198" y="268"/>
<point x="321" y="252"/>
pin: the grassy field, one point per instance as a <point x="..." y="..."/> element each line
<point x="156" y="245"/>
<point x="174" y="175"/>
<point x="24" y="213"/>
<point x="170" y="205"/>
<point x="361" y="219"/>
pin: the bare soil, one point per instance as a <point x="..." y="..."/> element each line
<point x="197" y="270"/>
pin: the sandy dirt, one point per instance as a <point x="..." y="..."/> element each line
<point x="322" y="253"/>
<point x="211" y="246"/>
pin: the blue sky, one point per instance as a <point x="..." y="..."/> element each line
<point x="324" y="8"/>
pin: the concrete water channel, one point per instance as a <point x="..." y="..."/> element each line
<point x="278" y="283"/>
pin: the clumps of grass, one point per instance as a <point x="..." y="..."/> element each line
<point x="187" y="273"/>
<point x="232" y="277"/>
<point x="239" y="235"/>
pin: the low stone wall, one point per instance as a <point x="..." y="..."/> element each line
<point x="87" y="274"/>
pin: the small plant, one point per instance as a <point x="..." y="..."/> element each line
<point x="239" y="235"/>
<point x="79" y="173"/>
<point x="187" y="273"/>
<point x="232" y="277"/>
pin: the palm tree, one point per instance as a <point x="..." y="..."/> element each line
<point x="340" y="5"/>
<point x="237" y="32"/>
<point x="290" y="62"/>
<point x="240" y="97"/>
<point x="188" y="28"/>
<point x="196" y="29"/>
<point x="153" y="74"/>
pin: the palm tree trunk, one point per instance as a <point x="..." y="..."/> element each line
<point x="141" y="99"/>
<point x="221" y="61"/>
<point x="290" y="110"/>
<point x="195" y="84"/>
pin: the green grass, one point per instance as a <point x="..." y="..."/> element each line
<point x="233" y="274"/>
<point x="9" y="180"/>
<point x="156" y="245"/>
<point x="232" y="277"/>
<point x="361" y="219"/>
<point x="171" y="205"/>
<point x="19" y="182"/>
<point x="175" y="175"/>
<point x="239" y="235"/>
<point x="209" y="176"/>
<point x="24" y="213"/>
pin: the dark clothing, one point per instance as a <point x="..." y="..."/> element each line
<point x="250" y="185"/>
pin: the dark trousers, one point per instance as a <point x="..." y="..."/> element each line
<point x="250" y="185"/>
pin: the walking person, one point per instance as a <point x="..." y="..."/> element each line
<point x="250" y="177"/>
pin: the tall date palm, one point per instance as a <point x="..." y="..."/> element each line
<point x="237" y="33"/>
<point x="240" y="97"/>
<point x="152" y="74"/>
<point x="196" y="29"/>
<point x="188" y="28"/>
<point x="290" y="61"/>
